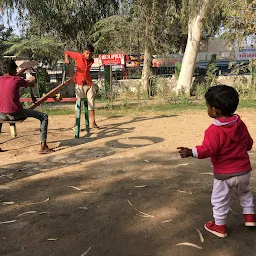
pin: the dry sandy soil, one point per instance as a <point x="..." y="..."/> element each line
<point x="132" y="195"/>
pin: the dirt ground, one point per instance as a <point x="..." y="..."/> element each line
<point x="119" y="191"/>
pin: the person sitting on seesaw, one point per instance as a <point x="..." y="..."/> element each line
<point x="10" y="107"/>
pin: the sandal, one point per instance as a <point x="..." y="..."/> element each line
<point x="46" y="151"/>
<point x="95" y="126"/>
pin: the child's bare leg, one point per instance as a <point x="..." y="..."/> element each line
<point x="92" y="119"/>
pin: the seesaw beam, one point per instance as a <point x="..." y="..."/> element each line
<point x="51" y="93"/>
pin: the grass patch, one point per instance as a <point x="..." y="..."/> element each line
<point x="58" y="111"/>
<point x="247" y="103"/>
<point x="132" y="108"/>
<point x="149" y="107"/>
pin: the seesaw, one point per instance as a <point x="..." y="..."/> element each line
<point x="47" y="98"/>
<point x="39" y="102"/>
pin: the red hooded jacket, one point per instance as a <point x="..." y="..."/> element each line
<point x="226" y="141"/>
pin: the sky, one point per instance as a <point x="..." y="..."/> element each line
<point x="12" y="23"/>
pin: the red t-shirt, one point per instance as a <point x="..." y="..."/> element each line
<point x="10" y="94"/>
<point x="82" y="68"/>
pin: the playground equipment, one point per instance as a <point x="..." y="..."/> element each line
<point x="52" y="96"/>
<point x="12" y="126"/>
<point x="51" y="93"/>
<point x="78" y="116"/>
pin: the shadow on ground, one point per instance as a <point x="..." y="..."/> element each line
<point x="107" y="131"/>
<point x="169" y="199"/>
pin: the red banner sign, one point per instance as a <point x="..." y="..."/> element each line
<point x="247" y="54"/>
<point x="111" y="59"/>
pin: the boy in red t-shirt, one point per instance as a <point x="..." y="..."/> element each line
<point x="226" y="142"/>
<point x="82" y="78"/>
<point x="10" y="107"/>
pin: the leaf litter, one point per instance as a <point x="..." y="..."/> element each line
<point x="165" y="221"/>
<point x="143" y="214"/>
<point x="8" y="203"/>
<point x="25" y="213"/>
<point x="186" y="164"/>
<point x="76" y="188"/>
<point x="200" y="235"/>
<point x="83" y="208"/>
<point x="87" y="251"/>
<point x="41" y="213"/>
<point x="194" y="245"/>
<point x="7" y="222"/>
<point x="46" y="200"/>
<point x="190" y="244"/>
<point x="182" y="191"/>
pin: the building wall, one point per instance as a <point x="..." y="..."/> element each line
<point x="219" y="46"/>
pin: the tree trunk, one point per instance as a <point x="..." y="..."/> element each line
<point x="146" y="71"/>
<point x="195" y="27"/>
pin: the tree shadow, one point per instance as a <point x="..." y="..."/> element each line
<point x="107" y="131"/>
<point x="111" y="130"/>
<point x="76" y="156"/>
<point x="169" y="199"/>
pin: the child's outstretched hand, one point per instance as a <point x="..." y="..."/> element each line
<point x="185" y="152"/>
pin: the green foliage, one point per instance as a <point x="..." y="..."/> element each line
<point x="114" y="34"/>
<point x="240" y="19"/>
<point x="140" y="23"/>
<point x="247" y="91"/>
<point x="239" y="68"/>
<point x="177" y="69"/>
<point x="200" y="89"/>
<point x="47" y="49"/>
<point x="26" y="94"/>
<point x="212" y="20"/>
<point x="212" y="71"/>
<point x="254" y="71"/>
<point x="41" y="80"/>
<point x="5" y="35"/>
<point x="68" y="20"/>
<point x="162" y="24"/>
<point x="155" y="23"/>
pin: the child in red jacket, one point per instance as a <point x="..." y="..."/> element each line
<point x="226" y="142"/>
